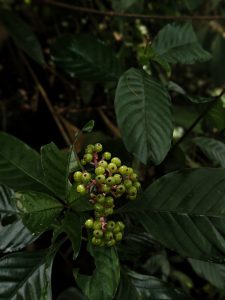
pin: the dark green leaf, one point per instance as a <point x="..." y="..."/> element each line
<point x="20" y="165"/>
<point x="213" y="149"/>
<point x="106" y="275"/>
<point x="38" y="210"/>
<point x="71" y="225"/>
<point x="128" y="5"/>
<point x="70" y="294"/>
<point x="126" y="289"/>
<point x="214" y="120"/>
<point x="143" y="110"/>
<point x="218" y="59"/>
<point x="77" y="201"/>
<point x="177" y="43"/>
<point x="15" y="235"/>
<point x="88" y="127"/>
<point x="214" y="273"/>
<point x="22" y="35"/>
<point x="185" y="211"/>
<point x="25" y="276"/>
<point x="85" y="58"/>
<point x="55" y="166"/>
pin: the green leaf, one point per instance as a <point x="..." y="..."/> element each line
<point x="88" y="127"/>
<point x="214" y="273"/>
<point x="72" y="293"/>
<point x="143" y="111"/>
<point x="85" y="58"/>
<point x="71" y="225"/>
<point x="13" y="236"/>
<point x="22" y="35"/>
<point x="38" y="210"/>
<point x="135" y="6"/>
<point x="214" y="120"/>
<point x="126" y="289"/>
<point x="25" y="276"/>
<point x="106" y="275"/>
<point x="55" y="166"/>
<point x="185" y="211"/>
<point x="213" y="149"/>
<point x="20" y="165"/>
<point x="177" y="43"/>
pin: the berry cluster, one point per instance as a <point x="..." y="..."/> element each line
<point x="108" y="181"/>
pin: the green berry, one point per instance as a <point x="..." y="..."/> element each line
<point x="132" y="191"/>
<point x="127" y="183"/>
<point x="98" y="147"/>
<point x="117" y="178"/>
<point x="123" y="170"/>
<point x="81" y="189"/>
<point x="108" y="235"/>
<point x="103" y="163"/>
<point x="105" y="188"/>
<point x="89" y="223"/>
<point x="111" y="243"/>
<point x="86" y="177"/>
<point x="108" y="211"/>
<point x="129" y="171"/>
<point x="120" y="188"/>
<point x="100" y="178"/>
<point x="97" y="225"/>
<point x="133" y="176"/>
<point x="130" y="197"/>
<point x="137" y="185"/>
<point x="98" y="207"/>
<point x="112" y="167"/>
<point x="118" y="236"/>
<point x="88" y="157"/>
<point x="110" y="181"/>
<point x="90" y="149"/>
<point x="109" y="201"/>
<point x="116" y="161"/>
<point x="110" y="225"/>
<point x="121" y="225"/>
<point x="96" y="241"/>
<point x="107" y="155"/>
<point x="100" y="198"/>
<point x="99" y="171"/>
<point x="83" y="162"/>
<point x="77" y="176"/>
<point x="98" y="233"/>
<point x="116" y="229"/>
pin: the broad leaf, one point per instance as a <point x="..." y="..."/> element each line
<point x="143" y="111"/>
<point x="71" y="225"/>
<point x="55" y="166"/>
<point x="214" y="273"/>
<point x="13" y="235"/>
<point x="25" y="276"/>
<point x="38" y="210"/>
<point x="126" y="289"/>
<point x="213" y="149"/>
<point x="72" y="293"/>
<point x="106" y="275"/>
<point x="214" y="120"/>
<point x="177" y="43"/>
<point x="85" y="57"/>
<point x="20" y="165"/>
<point x="22" y="35"/>
<point x="185" y="211"/>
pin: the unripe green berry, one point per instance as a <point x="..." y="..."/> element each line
<point x="132" y="191"/>
<point x="129" y="171"/>
<point x="137" y="185"/>
<point x="116" y="229"/>
<point x="81" y="189"/>
<point x="112" y="167"/>
<point x="116" y="161"/>
<point x="99" y="171"/>
<point x="130" y="197"/>
<point x="107" y="155"/>
<point x="77" y="176"/>
<point x="88" y="157"/>
<point x="98" y="147"/>
<point x="111" y="243"/>
<point x="123" y="170"/>
<point x="86" y="177"/>
<point x="90" y="149"/>
<point x="127" y="183"/>
<point x="89" y="223"/>
<point x="108" y="211"/>
<point x="97" y="225"/>
<point x="98" y="207"/>
<point x="110" y="181"/>
<point x="105" y="188"/>
<point x="133" y="176"/>
<point x="121" y="225"/>
<point x="98" y="233"/>
<point x="120" y="188"/>
<point x="110" y="225"/>
<point x="118" y="236"/>
<point x="83" y="162"/>
<point x="103" y="163"/>
<point x="100" y="198"/>
<point x="108" y="235"/>
<point x="117" y="178"/>
<point x="96" y="241"/>
<point x="100" y="178"/>
<point x="109" y="201"/>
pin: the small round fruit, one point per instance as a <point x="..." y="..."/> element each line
<point x="116" y="229"/>
<point x="98" y="233"/>
<point x="132" y="191"/>
<point x="107" y="155"/>
<point x="89" y="223"/>
<point x="111" y="243"/>
<point x="86" y="177"/>
<point x="83" y="162"/>
<point x="133" y="176"/>
<point x="121" y="225"/>
<point x="81" y="189"/>
<point x="108" y="211"/>
<point x="112" y="167"/>
<point x="123" y="170"/>
<point x="103" y="163"/>
<point x="98" y="207"/>
<point x="105" y="188"/>
<point x="110" y="225"/>
<point x="116" y="161"/>
<point x="100" y="178"/>
<point x="109" y="201"/>
<point x="99" y="171"/>
<point x="129" y="171"/>
<point x="132" y="197"/>
<point x="118" y="236"/>
<point x="108" y="235"/>
<point x="137" y="184"/>
<point x="98" y="147"/>
<point x="88" y="157"/>
<point x="97" y="225"/>
<point x="96" y="241"/>
<point x="100" y="198"/>
<point x="120" y="188"/>
<point x="110" y="181"/>
<point x="127" y="183"/>
<point x="77" y="176"/>
<point x="90" y="149"/>
<point x="117" y="178"/>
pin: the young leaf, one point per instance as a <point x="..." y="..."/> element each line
<point x="20" y="165"/>
<point x="185" y="211"/>
<point x="85" y="58"/>
<point x="55" y="166"/>
<point x="143" y="111"/>
<point x="88" y="127"/>
<point x="177" y="43"/>
<point x="25" y="276"/>
<point x="15" y="235"/>
<point x="22" y="35"/>
<point x="213" y="149"/>
<point x="38" y="210"/>
<point x="106" y="275"/>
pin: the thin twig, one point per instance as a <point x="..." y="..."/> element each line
<point x="47" y="101"/>
<point x="130" y="15"/>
